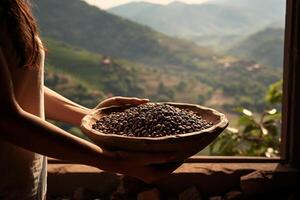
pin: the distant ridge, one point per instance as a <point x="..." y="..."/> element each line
<point x="206" y="22"/>
<point x="265" y="46"/>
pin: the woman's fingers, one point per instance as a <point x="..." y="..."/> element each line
<point x="122" y="101"/>
<point x="146" y="166"/>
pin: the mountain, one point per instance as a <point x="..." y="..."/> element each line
<point x="276" y="8"/>
<point x="210" y="23"/>
<point x="86" y="26"/>
<point x="265" y="47"/>
<point x="154" y="66"/>
<point x="176" y="18"/>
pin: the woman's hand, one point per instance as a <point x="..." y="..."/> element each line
<point x="142" y="165"/>
<point x="145" y="166"/>
<point x="121" y="101"/>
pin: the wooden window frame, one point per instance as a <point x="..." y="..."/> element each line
<point x="290" y="149"/>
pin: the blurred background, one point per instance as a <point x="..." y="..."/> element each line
<point x="224" y="54"/>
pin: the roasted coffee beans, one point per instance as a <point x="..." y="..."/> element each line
<point x="151" y="120"/>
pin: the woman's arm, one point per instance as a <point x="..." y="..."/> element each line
<point x="32" y="133"/>
<point x="62" y="109"/>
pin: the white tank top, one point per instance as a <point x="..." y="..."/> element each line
<point x="22" y="172"/>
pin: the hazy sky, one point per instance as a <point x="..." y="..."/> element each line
<point x="104" y="4"/>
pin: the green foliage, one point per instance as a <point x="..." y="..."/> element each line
<point x="114" y="78"/>
<point x="247" y="87"/>
<point x="71" y="88"/>
<point x="164" y="93"/>
<point x="201" y="99"/>
<point x="274" y="94"/>
<point x="181" y="86"/>
<point x="256" y="135"/>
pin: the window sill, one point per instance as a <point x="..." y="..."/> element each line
<point x="209" y="178"/>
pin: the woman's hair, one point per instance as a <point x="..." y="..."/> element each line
<point x="22" y="28"/>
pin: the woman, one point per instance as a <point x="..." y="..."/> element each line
<point x="25" y="137"/>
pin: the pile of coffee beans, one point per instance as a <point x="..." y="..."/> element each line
<point x="151" y="120"/>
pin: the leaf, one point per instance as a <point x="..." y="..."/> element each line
<point x="249" y="128"/>
<point x="274" y="117"/>
<point x="245" y="121"/>
<point x="239" y="110"/>
<point x="274" y="93"/>
<point x="273" y="129"/>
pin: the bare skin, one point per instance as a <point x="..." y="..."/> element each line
<point x="29" y="131"/>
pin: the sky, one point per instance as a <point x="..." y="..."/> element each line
<point x="105" y="4"/>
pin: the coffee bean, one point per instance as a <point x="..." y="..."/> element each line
<point x="151" y="120"/>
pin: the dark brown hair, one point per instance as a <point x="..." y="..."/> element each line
<point x="22" y="28"/>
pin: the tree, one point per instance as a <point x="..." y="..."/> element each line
<point x="256" y="135"/>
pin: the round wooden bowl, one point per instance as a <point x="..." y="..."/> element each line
<point x="183" y="145"/>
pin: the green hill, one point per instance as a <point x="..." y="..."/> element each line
<point x="265" y="47"/>
<point x="71" y="87"/>
<point x="113" y="78"/>
<point x="88" y="74"/>
<point x="85" y="26"/>
<point x="217" y="85"/>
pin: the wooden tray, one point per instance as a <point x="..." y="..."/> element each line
<point x="184" y="145"/>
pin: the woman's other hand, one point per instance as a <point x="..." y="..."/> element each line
<point x="146" y="166"/>
<point x="121" y="101"/>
